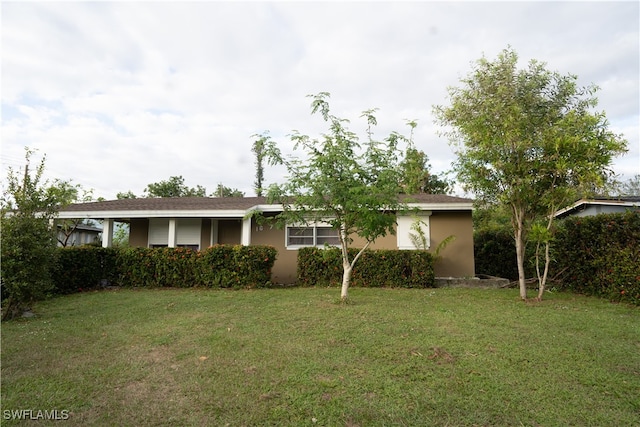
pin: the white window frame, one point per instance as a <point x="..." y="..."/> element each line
<point x="404" y="229"/>
<point x="313" y="237"/>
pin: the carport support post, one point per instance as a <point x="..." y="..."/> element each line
<point x="107" y="233"/>
<point x="245" y="238"/>
<point x="172" y="238"/>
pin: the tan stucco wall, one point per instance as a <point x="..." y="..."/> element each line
<point x="285" y="269"/>
<point x="139" y="233"/>
<point x="457" y="257"/>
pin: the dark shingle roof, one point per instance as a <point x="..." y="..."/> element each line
<point x="169" y="203"/>
<point x="216" y="203"/>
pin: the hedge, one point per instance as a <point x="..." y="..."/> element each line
<point x="222" y="266"/>
<point x="79" y="268"/>
<point x="379" y="268"/>
<point x="598" y="255"/>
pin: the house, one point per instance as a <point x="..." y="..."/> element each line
<point x="78" y="235"/>
<point x="199" y="222"/>
<point x="590" y="207"/>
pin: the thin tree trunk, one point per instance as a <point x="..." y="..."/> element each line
<point x="547" y="261"/>
<point x="346" y="279"/>
<point x="519" y="238"/>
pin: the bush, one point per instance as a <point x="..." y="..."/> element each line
<point x="599" y="255"/>
<point x="84" y="267"/>
<point x="236" y="266"/>
<point x="495" y="254"/>
<point x="222" y="266"/>
<point x="28" y="256"/>
<point x="380" y="268"/>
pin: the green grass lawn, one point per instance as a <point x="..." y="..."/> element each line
<point x="437" y="357"/>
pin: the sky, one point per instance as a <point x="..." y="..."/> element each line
<point x="118" y="95"/>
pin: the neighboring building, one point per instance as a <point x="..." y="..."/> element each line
<point x="82" y="234"/>
<point x="590" y="207"/>
<point x="200" y="222"/>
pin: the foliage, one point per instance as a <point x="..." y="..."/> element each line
<point x="527" y="140"/>
<point x="237" y="266"/>
<point x="415" y="172"/>
<point x="494" y="253"/>
<point x="379" y="268"/>
<point x="173" y="187"/>
<point x="222" y="266"/>
<point x="598" y="255"/>
<point x="126" y="195"/>
<point x="352" y="186"/>
<point x="85" y="267"/>
<point x="67" y="193"/>
<point x="222" y="191"/>
<point x="28" y="241"/>
<point x="258" y="148"/>
<point x="631" y="187"/>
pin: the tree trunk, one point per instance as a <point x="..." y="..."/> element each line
<point x="346" y="278"/>
<point x="547" y="261"/>
<point x="519" y="238"/>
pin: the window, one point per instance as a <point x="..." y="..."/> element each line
<point x="407" y="227"/>
<point x="311" y="236"/>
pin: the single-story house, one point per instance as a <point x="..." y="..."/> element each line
<point x="590" y="207"/>
<point x="200" y="222"/>
<point x="81" y="234"/>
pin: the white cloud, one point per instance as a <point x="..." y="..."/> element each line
<point x="119" y="95"/>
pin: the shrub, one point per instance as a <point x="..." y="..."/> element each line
<point x="79" y="268"/>
<point x="236" y="266"/>
<point x="380" y="268"/>
<point x="599" y="255"/>
<point x="28" y="256"/>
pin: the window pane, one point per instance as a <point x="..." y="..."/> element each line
<point x="299" y="236"/>
<point x="327" y="235"/>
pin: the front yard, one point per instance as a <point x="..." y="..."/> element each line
<point x="436" y="357"/>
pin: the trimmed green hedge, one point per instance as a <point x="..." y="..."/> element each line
<point x="79" y="268"/>
<point x="223" y="266"/>
<point x="600" y="255"/>
<point x="495" y="253"/>
<point x="379" y="268"/>
<point x="236" y="266"/>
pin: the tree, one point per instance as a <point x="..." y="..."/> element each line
<point x="125" y="195"/>
<point x="631" y="187"/>
<point x="67" y="193"/>
<point x="415" y="171"/>
<point x="259" y="150"/>
<point x="528" y="140"/>
<point x="352" y="186"/>
<point x="223" y="191"/>
<point x="173" y="187"/>
<point x="28" y="245"/>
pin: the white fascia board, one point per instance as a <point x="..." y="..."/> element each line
<point x="442" y="206"/>
<point x="153" y="214"/>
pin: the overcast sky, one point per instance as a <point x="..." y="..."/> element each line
<point x="120" y="94"/>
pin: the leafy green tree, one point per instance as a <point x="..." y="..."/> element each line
<point x="67" y="193"/>
<point x="223" y="191"/>
<point x="527" y="140"/>
<point x="27" y="209"/>
<point x="415" y="171"/>
<point x="126" y="195"/>
<point x="259" y="150"/>
<point x="352" y="186"/>
<point x="173" y="187"/>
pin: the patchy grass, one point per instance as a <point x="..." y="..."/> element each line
<point x="440" y="357"/>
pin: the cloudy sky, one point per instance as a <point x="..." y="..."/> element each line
<point x="122" y="94"/>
